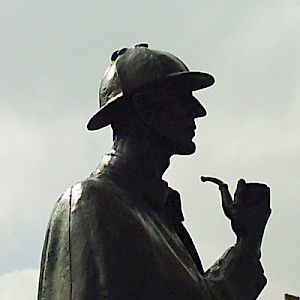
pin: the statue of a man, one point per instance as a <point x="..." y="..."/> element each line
<point x="119" y="234"/>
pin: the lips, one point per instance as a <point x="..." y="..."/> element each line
<point x="191" y="131"/>
<point x="192" y="127"/>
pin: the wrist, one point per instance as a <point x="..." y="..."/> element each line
<point x="248" y="246"/>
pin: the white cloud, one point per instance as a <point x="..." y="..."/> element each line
<point x="19" y="285"/>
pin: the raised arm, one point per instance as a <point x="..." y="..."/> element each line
<point x="238" y="274"/>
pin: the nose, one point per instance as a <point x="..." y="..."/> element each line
<point x="196" y="109"/>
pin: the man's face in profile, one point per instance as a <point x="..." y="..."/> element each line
<point x="171" y="112"/>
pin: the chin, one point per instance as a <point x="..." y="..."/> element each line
<point x="185" y="149"/>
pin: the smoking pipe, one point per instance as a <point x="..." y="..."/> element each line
<point x="227" y="202"/>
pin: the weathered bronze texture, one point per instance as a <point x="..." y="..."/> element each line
<point x="119" y="234"/>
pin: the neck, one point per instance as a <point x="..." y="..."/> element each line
<point x="143" y="150"/>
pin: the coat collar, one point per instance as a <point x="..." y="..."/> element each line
<point x="138" y="180"/>
<point x="134" y="177"/>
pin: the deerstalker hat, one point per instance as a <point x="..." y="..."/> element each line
<point x="137" y="69"/>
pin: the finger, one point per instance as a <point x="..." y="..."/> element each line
<point x="268" y="202"/>
<point x="227" y="202"/>
<point x="240" y="189"/>
<point x="241" y="183"/>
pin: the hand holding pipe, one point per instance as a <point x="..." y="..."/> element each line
<point x="250" y="209"/>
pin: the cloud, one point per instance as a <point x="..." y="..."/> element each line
<point x="19" y="285"/>
<point x="34" y="148"/>
<point x="52" y="64"/>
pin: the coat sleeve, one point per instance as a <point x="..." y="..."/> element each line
<point x="236" y="276"/>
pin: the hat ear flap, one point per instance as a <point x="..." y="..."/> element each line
<point x="141" y="105"/>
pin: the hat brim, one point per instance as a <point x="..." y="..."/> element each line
<point x="102" y="117"/>
<point x="193" y="81"/>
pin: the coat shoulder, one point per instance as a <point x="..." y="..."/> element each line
<point x="86" y="191"/>
<point x="93" y="193"/>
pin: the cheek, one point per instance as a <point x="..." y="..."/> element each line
<point x="166" y="124"/>
<point x="152" y="114"/>
<point x="163" y="120"/>
<point x="169" y="116"/>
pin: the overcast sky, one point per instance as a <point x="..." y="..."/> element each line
<point x="53" y="55"/>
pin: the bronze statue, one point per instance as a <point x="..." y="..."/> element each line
<point x="119" y="234"/>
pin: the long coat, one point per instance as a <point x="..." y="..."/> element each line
<point x="118" y="235"/>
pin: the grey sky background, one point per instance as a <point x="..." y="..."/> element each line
<point x="53" y="55"/>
